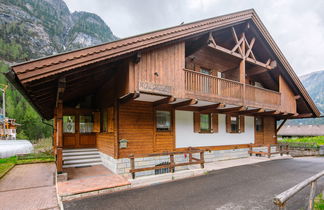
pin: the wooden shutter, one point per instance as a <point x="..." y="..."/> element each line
<point x="96" y="122"/>
<point x="214" y="122"/>
<point x="228" y="124"/>
<point x="242" y="124"/>
<point x="196" y="121"/>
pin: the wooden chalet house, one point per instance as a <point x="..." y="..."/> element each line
<point x="218" y="84"/>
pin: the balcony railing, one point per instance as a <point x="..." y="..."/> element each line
<point x="228" y="91"/>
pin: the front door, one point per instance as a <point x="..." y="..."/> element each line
<point x="78" y="131"/>
<point x="258" y="129"/>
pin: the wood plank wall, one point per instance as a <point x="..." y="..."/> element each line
<point x="163" y="66"/>
<point x="105" y="143"/>
<point x="136" y="126"/>
<point x="288" y="101"/>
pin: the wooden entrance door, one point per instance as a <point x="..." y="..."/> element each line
<point x="265" y="130"/>
<point x="77" y="131"/>
<point x="258" y="130"/>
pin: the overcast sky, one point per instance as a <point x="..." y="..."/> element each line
<point x="296" y="25"/>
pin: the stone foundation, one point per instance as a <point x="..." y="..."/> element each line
<point x="122" y="166"/>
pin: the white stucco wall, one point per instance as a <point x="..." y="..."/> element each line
<point x="185" y="137"/>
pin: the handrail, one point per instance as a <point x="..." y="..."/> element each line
<point x="272" y="91"/>
<point x="228" y="80"/>
<point x="281" y="199"/>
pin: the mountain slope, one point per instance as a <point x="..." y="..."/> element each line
<point x="31" y="29"/>
<point x="314" y="84"/>
<point x="45" y="27"/>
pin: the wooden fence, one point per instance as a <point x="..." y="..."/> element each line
<point x="280" y="149"/>
<point x="191" y="161"/>
<point x="281" y="199"/>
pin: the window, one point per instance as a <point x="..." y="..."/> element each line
<point x="163" y="120"/>
<point x="104" y="120"/>
<point x="205" y="71"/>
<point x="234" y="124"/>
<point x="259" y="124"/>
<point x="69" y="124"/>
<point x="205" y="123"/>
<point x="86" y="123"/>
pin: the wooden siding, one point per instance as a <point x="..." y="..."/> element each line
<point x="160" y="70"/>
<point x="136" y="125"/>
<point x="288" y="101"/>
<point x="105" y="143"/>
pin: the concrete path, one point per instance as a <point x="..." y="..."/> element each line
<point x="242" y="187"/>
<point x="30" y="186"/>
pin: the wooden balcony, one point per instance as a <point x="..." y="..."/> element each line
<point x="211" y="88"/>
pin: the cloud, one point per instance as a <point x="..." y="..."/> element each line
<point x="297" y="26"/>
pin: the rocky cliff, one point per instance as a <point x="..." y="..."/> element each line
<point x="36" y="28"/>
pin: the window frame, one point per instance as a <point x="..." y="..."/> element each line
<point x="156" y="121"/>
<point x="75" y="123"/>
<point x="262" y="124"/>
<point x="209" y="123"/>
<point x="237" y="124"/>
<point x="79" y="122"/>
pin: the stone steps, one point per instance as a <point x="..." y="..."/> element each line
<point x="81" y="157"/>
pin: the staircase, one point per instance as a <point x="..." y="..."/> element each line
<point x="81" y="157"/>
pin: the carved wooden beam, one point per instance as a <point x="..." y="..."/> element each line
<point x="297" y="97"/>
<point x="186" y="103"/>
<point x="237" y="41"/>
<point x="129" y="97"/>
<point x="166" y="100"/>
<point x="60" y="90"/>
<point x="282" y="123"/>
<point x="256" y="70"/>
<point x="266" y="113"/>
<point x="211" y="41"/>
<point x="251" y="111"/>
<point x="234" y="109"/>
<point x="308" y="115"/>
<point x="211" y="108"/>
<point x="250" y="46"/>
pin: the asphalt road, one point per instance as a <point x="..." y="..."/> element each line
<point x="242" y="187"/>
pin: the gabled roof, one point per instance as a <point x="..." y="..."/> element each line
<point x="24" y="73"/>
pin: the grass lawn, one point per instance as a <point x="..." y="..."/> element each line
<point x="7" y="163"/>
<point x="318" y="140"/>
<point x="319" y="203"/>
